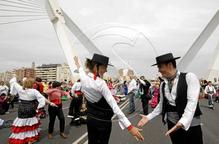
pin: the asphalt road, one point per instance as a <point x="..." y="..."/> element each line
<point x="153" y="132"/>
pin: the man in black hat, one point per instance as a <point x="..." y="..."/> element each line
<point x="178" y="103"/>
<point x="101" y="105"/>
<point x="144" y="89"/>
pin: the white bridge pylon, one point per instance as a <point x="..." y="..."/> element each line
<point x="198" y="44"/>
<point x="61" y="23"/>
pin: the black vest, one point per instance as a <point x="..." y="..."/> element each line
<point x="100" y="110"/>
<point x="181" y="98"/>
<point x="145" y="88"/>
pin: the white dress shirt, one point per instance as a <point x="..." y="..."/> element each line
<point x="192" y="96"/>
<point x="132" y="86"/>
<point x="142" y="82"/>
<point x="210" y="89"/>
<point x="26" y="94"/>
<point x="1" y="122"/>
<point x="76" y="87"/>
<point x="94" y="90"/>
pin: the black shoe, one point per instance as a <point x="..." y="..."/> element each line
<point x="75" y="122"/>
<point x="78" y="122"/>
<point x="83" y="120"/>
<point x="72" y="123"/>
<point x="211" y="106"/>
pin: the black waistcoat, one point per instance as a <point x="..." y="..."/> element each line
<point x="145" y="88"/>
<point x="100" y="110"/>
<point x="181" y="98"/>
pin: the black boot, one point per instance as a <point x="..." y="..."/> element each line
<point x="75" y="122"/>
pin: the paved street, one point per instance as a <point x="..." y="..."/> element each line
<point x="153" y="132"/>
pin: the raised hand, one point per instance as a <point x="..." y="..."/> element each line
<point x="144" y="120"/>
<point x="77" y="62"/>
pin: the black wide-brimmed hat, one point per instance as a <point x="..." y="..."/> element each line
<point x="101" y="59"/>
<point x="165" y="58"/>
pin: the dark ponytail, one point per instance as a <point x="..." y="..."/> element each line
<point x="90" y="64"/>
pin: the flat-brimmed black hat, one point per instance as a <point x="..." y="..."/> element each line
<point x="101" y="59"/>
<point x="165" y="58"/>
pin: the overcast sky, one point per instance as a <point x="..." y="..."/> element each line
<point x="170" y="25"/>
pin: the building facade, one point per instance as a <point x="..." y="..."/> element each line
<point x="64" y="73"/>
<point x="47" y="72"/>
<point x="24" y="72"/>
<point x="6" y="76"/>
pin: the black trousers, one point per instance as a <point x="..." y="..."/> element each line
<point x="98" y="131"/>
<point x="145" y="105"/>
<point x="192" y="136"/>
<point x="216" y="98"/>
<point x="6" y="106"/>
<point x="12" y="104"/>
<point x="75" y="106"/>
<point x="53" y="112"/>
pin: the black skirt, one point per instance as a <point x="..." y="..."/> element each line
<point x="27" y="109"/>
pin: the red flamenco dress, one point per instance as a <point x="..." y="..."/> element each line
<point x="25" y="127"/>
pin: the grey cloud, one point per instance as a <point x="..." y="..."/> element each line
<point x="171" y="25"/>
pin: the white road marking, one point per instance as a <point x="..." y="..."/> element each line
<point x="81" y="138"/>
<point x="122" y="107"/>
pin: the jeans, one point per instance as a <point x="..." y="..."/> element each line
<point x="210" y="100"/>
<point x="131" y="102"/>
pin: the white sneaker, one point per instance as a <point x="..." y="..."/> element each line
<point x="211" y="106"/>
<point x="70" y="116"/>
<point x="77" y="119"/>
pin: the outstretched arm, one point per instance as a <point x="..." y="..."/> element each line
<point x="14" y="86"/>
<point x="123" y="120"/>
<point x="157" y="111"/>
<point x="192" y="97"/>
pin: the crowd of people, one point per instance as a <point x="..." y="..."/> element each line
<point x="94" y="98"/>
<point x="32" y="97"/>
